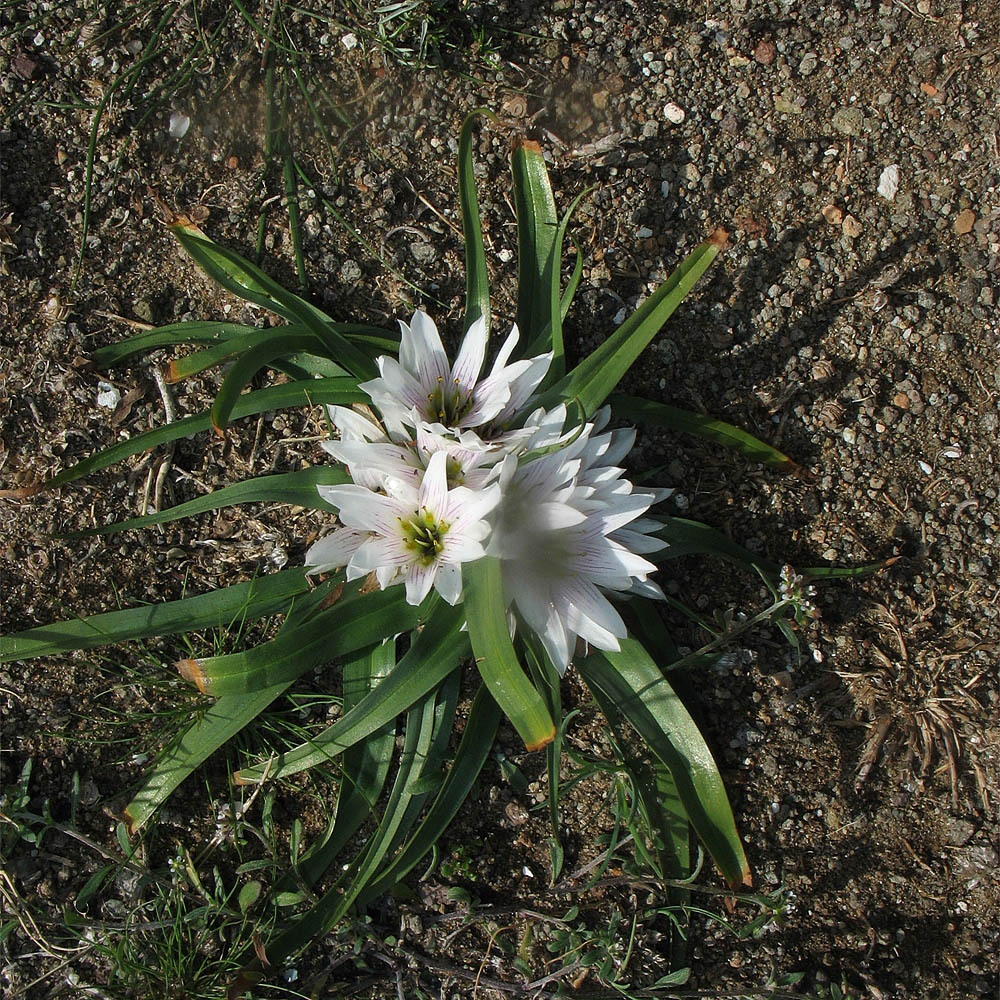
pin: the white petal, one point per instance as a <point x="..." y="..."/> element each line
<point x="506" y="350"/>
<point x="419" y="580"/>
<point x="647" y="589"/>
<point x="397" y="389"/>
<point x="524" y="384"/>
<point x="553" y="516"/>
<point x="460" y="549"/>
<point x="448" y="583"/>
<point x="586" y="604"/>
<point x="334" y="550"/>
<point x="471" y="355"/>
<point x="365" y="510"/>
<point x="378" y="552"/>
<point x="636" y="541"/>
<point x="353" y="425"/>
<point x="421" y="352"/>
<point x="433" y="493"/>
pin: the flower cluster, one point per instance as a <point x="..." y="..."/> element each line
<point x="456" y="467"/>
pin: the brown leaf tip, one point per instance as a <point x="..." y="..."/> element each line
<point x="720" y="238"/>
<point x="192" y="672"/>
<point x="130" y="823"/>
<point x="542" y="743"/>
<point x="528" y="145"/>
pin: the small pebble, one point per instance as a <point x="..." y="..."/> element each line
<point x="888" y="182"/>
<point x="674" y="113"/>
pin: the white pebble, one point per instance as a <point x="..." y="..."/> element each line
<point x="108" y="396"/>
<point x="349" y="41"/>
<point x="674" y="113"/>
<point x="888" y="183"/>
<point x="179" y="124"/>
<point x="925" y="468"/>
<point x="644" y="233"/>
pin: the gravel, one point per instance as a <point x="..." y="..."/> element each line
<point x="851" y="152"/>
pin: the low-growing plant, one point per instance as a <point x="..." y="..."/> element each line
<point x="482" y="520"/>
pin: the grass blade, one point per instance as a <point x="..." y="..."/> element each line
<point x="645" y="411"/>
<point x="258" y="598"/>
<point x="495" y="656"/>
<point x="297" y="488"/>
<point x="630" y="683"/>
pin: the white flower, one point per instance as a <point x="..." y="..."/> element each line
<point x="376" y="460"/>
<point x="560" y="533"/>
<point x="419" y="537"/>
<point x="421" y="386"/>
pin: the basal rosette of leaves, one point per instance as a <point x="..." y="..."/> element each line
<point x="485" y="524"/>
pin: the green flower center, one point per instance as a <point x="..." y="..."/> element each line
<point x="448" y="404"/>
<point x="424" y="535"/>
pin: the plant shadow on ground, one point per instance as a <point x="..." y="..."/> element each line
<point x="766" y="362"/>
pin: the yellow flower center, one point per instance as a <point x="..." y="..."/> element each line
<point x="423" y="535"/>
<point x="448" y="404"/>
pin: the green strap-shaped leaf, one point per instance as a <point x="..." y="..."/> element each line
<point x="630" y="683"/>
<point x="364" y="768"/>
<point x="595" y="378"/>
<point x="495" y="656"/>
<point x="274" y="397"/>
<point x="661" y="415"/>
<point x="572" y="285"/>
<point x="194" y="332"/>
<point x="331" y="907"/>
<point x="246" y="366"/>
<point x="547" y="680"/>
<point x="372" y="339"/>
<point x="686" y="537"/>
<point x="297" y="488"/>
<point x="477" y="281"/>
<point x="472" y="753"/>
<point x="551" y="335"/>
<point x="352" y="622"/>
<point x="242" y="278"/>
<point x="233" y="347"/>
<point x="537" y="266"/>
<point x="258" y="598"/>
<point x="437" y="651"/>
